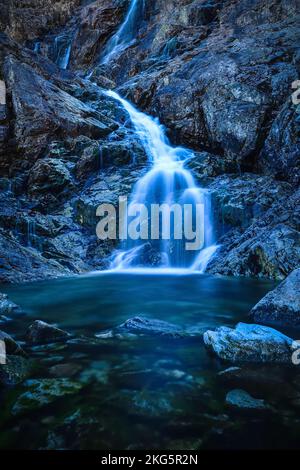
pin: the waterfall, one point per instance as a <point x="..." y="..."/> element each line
<point x="126" y="32"/>
<point x="167" y="182"/>
<point x="62" y="49"/>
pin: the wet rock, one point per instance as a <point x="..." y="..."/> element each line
<point x="272" y="380"/>
<point x="15" y="371"/>
<point x="29" y="20"/>
<point x="42" y="392"/>
<point x="241" y="400"/>
<point x="49" y="175"/>
<point x="12" y="347"/>
<point x="282" y="305"/>
<point x="40" y="332"/>
<point x="270" y="247"/>
<point x="96" y="24"/>
<point x="44" y="111"/>
<point x="19" y="263"/>
<point x="250" y="343"/>
<point x="151" y="326"/>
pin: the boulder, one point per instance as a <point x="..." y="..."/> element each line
<point x="40" y="332"/>
<point x="6" y="306"/>
<point x="282" y="305"/>
<point x="250" y="343"/>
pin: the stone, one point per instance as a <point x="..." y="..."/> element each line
<point x="151" y="326"/>
<point x="241" y="400"/>
<point x="7" y="307"/>
<point x="40" y="332"/>
<point x="282" y="305"/>
<point x="12" y="347"/>
<point x="250" y="343"/>
<point x="41" y="392"/>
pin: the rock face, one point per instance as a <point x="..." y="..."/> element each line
<point x="15" y="371"/>
<point x="282" y="305"/>
<point x="250" y="343"/>
<point x="40" y="332"/>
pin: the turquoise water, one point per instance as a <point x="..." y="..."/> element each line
<point x="138" y="392"/>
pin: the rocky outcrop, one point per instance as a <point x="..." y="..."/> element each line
<point x="250" y="343"/>
<point x="282" y="305"/>
<point x="11" y="346"/>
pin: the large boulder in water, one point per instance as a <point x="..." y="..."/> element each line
<point x="282" y="305"/>
<point x="250" y="343"/>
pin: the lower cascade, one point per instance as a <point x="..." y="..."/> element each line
<point x="167" y="183"/>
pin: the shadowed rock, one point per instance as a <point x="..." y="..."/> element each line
<point x="12" y="347"/>
<point x="282" y="305"/>
<point x="241" y="400"/>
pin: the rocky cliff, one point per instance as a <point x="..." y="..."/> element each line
<point x="218" y="74"/>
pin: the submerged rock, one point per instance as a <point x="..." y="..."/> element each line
<point x="250" y="343"/>
<point x="282" y="305"/>
<point x="239" y="399"/>
<point x="16" y="369"/>
<point x="150" y="326"/>
<point x="40" y="332"/>
<point x="42" y="392"/>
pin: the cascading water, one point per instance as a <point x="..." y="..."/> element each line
<point x="167" y="182"/>
<point x="62" y="49"/>
<point x="126" y="33"/>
